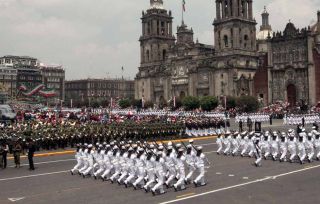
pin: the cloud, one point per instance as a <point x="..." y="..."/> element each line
<point x="96" y="37"/>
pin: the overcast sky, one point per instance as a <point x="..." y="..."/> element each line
<point x="95" y="38"/>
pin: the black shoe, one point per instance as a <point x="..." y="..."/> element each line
<point x="126" y="185"/>
<point x="195" y="184"/>
<point x="146" y="190"/>
<point x="153" y="192"/>
<point x="135" y="188"/>
<point x="175" y="189"/>
<point x="70" y="172"/>
<point x="83" y="176"/>
<point x="95" y="177"/>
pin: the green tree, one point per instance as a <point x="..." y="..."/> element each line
<point x="191" y="102"/>
<point x="247" y="104"/>
<point x="231" y="102"/>
<point x="208" y="103"/>
<point x="124" y="103"/>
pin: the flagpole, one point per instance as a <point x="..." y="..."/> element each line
<point x="182" y="9"/>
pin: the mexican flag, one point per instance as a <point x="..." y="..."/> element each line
<point x="184" y="5"/>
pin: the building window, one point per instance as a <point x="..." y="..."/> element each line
<point x="226" y="41"/>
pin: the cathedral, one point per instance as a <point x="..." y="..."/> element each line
<point x="270" y="65"/>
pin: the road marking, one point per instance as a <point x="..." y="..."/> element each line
<point x="245" y="178"/>
<point x="242" y="184"/>
<point x="48" y="162"/>
<point x="210" y="152"/>
<point x="184" y="195"/>
<point x="15" y="199"/>
<point x="218" y="173"/>
<point x="208" y="144"/>
<point x="34" y="175"/>
<point x="231" y="175"/>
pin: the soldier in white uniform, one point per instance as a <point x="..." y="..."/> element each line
<point x="309" y="147"/>
<point x="140" y="164"/>
<point x="190" y="161"/>
<point x="90" y="154"/>
<point x="301" y="147"/>
<point x="200" y="160"/>
<point x="283" y="143"/>
<point x="292" y="145"/>
<point x="181" y="170"/>
<point x="159" y="171"/>
<point x="317" y="145"/>
<point x="79" y="159"/>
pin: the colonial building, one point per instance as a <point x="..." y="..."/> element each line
<point x="89" y="90"/>
<point x="290" y="67"/>
<point x="272" y="66"/>
<point x="179" y="68"/>
<point x="24" y="74"/>
<point x="53" y="78"/>
<point x="8" y="82"/>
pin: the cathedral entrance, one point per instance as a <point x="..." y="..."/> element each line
<point x="292" y="95"/>
<point x="182" y="95"/>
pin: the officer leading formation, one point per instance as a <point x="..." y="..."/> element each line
<point x="152" y="167"/>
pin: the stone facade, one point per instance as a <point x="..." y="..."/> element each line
<point x="88" y="90"/>
<point x="292" y="64"/>
<point x="177" y="68"/>
<point x="273" y="66"/>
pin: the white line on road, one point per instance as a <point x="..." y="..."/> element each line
<point x="34" y="175"/>
<point x="210" y="152"/>
<point x="242" y="184"/>
<point x="207" y="144"/>
<point x="231" y="175"/>
<point x="47" y="162"/>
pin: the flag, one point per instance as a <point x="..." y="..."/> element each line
<point x="184" y="5"/>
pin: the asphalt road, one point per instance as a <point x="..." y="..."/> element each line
<point x="230" y="180"/>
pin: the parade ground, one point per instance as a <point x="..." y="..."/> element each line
<point x="229" y="180"/>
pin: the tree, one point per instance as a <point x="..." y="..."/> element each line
<point x="247" y="104"/>
<point x="231" y="102"/>
<point x="148" y="104"/>
<point x="190" y="102"/>
<point x="137" y="103"/>
<point x="208" y="103"/>
<point x="178" y="103"/>
<point x="124" y="103"/>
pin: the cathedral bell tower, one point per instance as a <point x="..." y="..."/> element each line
<point x="234" y="26"/>
<point x="155" y="42"/>
<point x="157" y="35"/>
<point x="235" y="47"/>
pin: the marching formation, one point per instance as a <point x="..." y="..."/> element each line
<point x="142" y="165"/>
<point x="301" y="119"/>
<point x="279" y="146"/>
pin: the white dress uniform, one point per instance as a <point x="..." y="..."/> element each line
<point x="190" y="161"/>
<point x="169" y="159"/>
<point x="159" y="172"/>
<point x="292" y="146"/>
<point x="140" y="164"/>
<point x="220" y="144"/>
<point x="181" y="170"/>
<point x="150" y="168"/>
<point x="199" y="162"/>
<point x="132" y="169"/>
<point x="283" y="144"/>
<point x="85" y="161"/>
<point x="274" y="146"/>
<point x="317" y="145"/>
<point x="309" y="147"/>
<point x="301" y="147"/>
<point x="107" y="160"/>
<point x="90" y="158"/>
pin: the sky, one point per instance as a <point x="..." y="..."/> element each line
<point x="95" y="38"/>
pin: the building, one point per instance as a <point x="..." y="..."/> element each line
<point x="270" y="65"/>
<point x="8" y="82"/>
<point x="89" y="91"/>
<point x="25" y="77"/>
<point x="18" y="61"/>
<point x="177" y="68"/>
<point x="53" y="78"/>
<point x="290" y="70"/>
